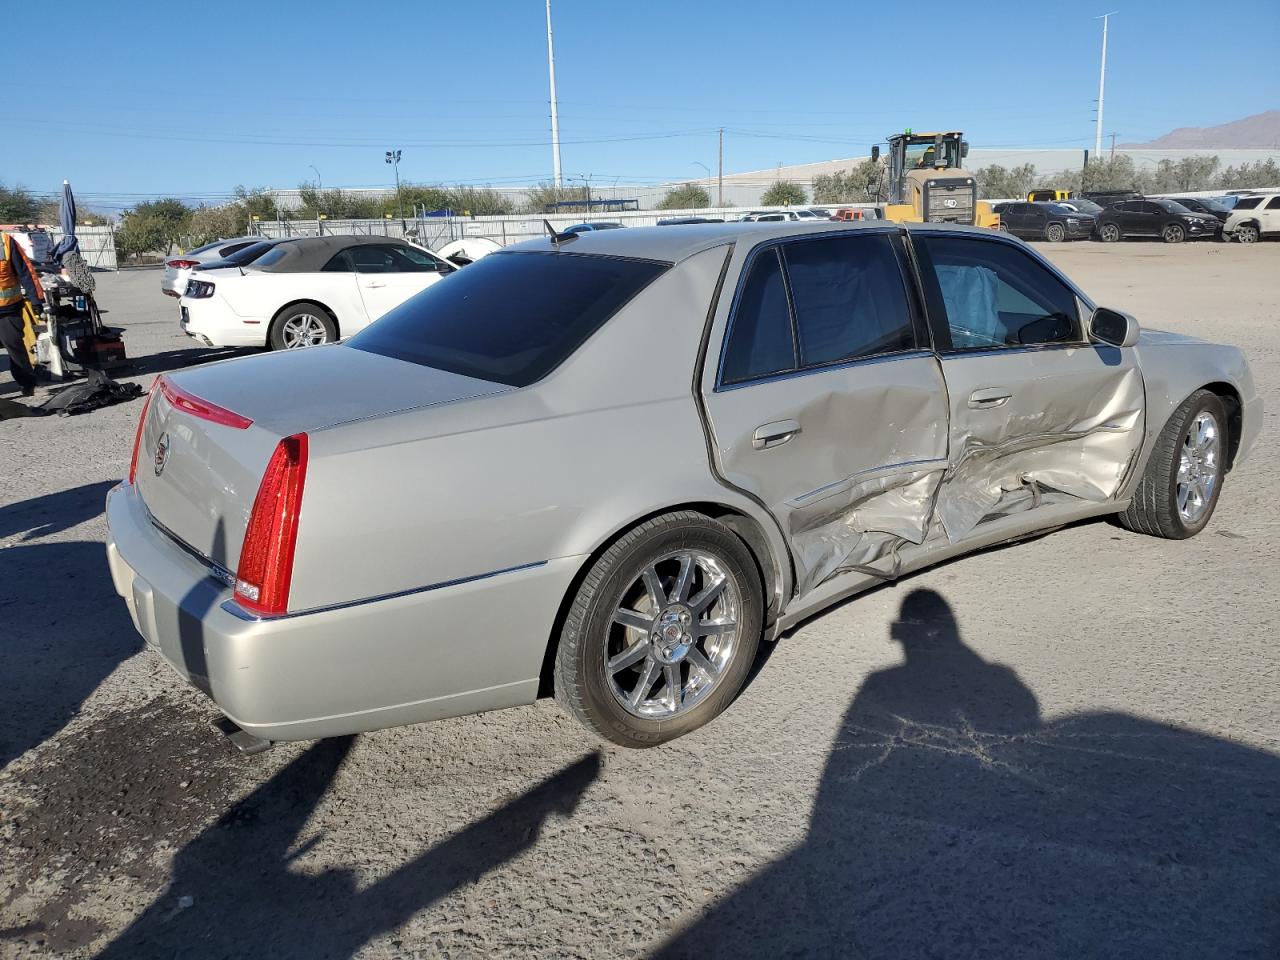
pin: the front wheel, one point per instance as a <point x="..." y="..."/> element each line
<point x="1248" y="233"/>
<point x="1109" y="233"/>
<point x="1173" y="233"/>
<point x="1055" y="233"/>
<point x="662" y="632"/>
<point x="1179" y="488"/>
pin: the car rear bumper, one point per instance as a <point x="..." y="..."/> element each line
<point x="460" y="648"/>
<point x="213" y="323"/>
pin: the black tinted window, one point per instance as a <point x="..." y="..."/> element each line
<point x="994" y="295"/>
<point x="390" y="258"/>
<point x="1274" y="203"/>
<point x="274" y="255"/>
<point x="849" y="298"/>
<point x="509" y="317"/>
<point x="1248" y="203"/>
<point x="760" y="339"/>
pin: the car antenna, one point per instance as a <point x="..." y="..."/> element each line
<point x="557" y="238"/>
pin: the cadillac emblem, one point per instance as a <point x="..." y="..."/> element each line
<point x="162" y="453"/>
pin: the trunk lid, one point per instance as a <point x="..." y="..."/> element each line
<point x="200" y="463"/>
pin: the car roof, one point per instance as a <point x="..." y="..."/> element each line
<point x="309" y="254"/>
<point x="672" y="246"/>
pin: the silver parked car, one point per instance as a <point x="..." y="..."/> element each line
<point x="611" y="466"/>
<point x="177" y="270"/>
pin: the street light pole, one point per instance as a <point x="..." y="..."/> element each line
<point x="393" y="158"/>
<point x="319" y="185"/>
<point x="1102" y="83"/>
<point x="555" y="121"/>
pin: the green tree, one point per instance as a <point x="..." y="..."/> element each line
<point x="215" y="223"/>
<point x="18" y="205"/>
<point x="997" y="182"/>
<point x="855" y="185"/>
<point x="140" y="234"/>
<point x="1114" y="173"/>
<point x="544" y="194"/>
<point x="477" y="201"/>
<point x="783" y="193"/>
<point x="688" y="196"/>
<point x="1263" y="173"/>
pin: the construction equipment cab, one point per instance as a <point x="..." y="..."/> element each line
<point x="1036" y="196"/>
<point x="927" y="181"/>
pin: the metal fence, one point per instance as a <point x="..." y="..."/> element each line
<point x="97" y="246"/>
<point x="435" y="232"/>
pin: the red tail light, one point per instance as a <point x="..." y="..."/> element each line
<point x="266" y="558"/>
<point x="137" y="437"/>
<point x="182" y="264"/>
<point x="188" y="402"/>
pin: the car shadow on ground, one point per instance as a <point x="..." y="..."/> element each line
<point x="169" y="361"/>
<point x="63" y="630"/>
<point x="247" y="899"/>
<point x="953" y="821"/>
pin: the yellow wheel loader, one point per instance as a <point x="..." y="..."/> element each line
<point x="927" y="181"/>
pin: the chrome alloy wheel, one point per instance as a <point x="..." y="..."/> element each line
<point x="1198" y="467"/>
<point x="304" y="330"/>
<point x="673" y="635"/>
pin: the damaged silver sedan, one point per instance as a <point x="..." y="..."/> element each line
<point x="609" y="467"/>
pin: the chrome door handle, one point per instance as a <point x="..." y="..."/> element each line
<point x="986" y="399"/>
<point x="374" y="286"/>
<point x="774" y="434"/>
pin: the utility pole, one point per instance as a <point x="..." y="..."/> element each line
<point x="1113" y="145"/>
<point x="555" y="120"/>
<point x="720" y="178"/>
<point x="1102" y="82"/>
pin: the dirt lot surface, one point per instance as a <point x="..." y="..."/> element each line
<point x="1064" y="748"/>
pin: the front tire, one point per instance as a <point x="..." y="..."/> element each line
<point x="1173" y="233"/>
<point x="302" y="325"/>
<point x="1179" y="488"/>
<point x="662" y="632"/>
<point x="1109" y="233"/>
<point x="1055" y="233"/>
<point x="1248" y="233"/>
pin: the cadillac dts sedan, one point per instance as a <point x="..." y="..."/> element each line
<point x="608" y="467"/>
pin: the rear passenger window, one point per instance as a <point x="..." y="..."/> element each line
<point x="849" y="298"/>
<point x="760" y="339"/>
<point x="1273" y="203"/>
<point x="994" y="295"/>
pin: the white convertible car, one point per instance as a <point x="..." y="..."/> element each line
<point x="307" y="291"/>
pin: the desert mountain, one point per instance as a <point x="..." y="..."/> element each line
<point x="1261" y="131"/>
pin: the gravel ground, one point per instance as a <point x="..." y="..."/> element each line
<point x="1068" y="747"/>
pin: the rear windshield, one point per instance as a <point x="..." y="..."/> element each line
<point x="510" y="317"/>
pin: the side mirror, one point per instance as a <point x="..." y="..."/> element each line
<point x="964" y="148"/>
<point x="1113" y="327"/>
<point x="875" y="153"/>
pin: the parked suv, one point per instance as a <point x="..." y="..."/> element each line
<point x="1044" y="221"/>
<point x="1206" y="206"/>
<point x="1165" y="219"/>
<point x="1253" y="218"/>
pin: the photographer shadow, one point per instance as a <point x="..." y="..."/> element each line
<point x="952" y="821"/>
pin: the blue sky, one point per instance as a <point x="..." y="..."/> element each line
<point x="171" y="98"/>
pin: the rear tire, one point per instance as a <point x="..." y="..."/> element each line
<point x="1109" y="233"/>
<point x="1173" y="233"/>
<point x="1179" y="488"/>
<point x="641" y="669"/>
<point x="1055" y="233"/>
<point x="302" y="325"/>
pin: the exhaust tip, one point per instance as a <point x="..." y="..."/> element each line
<point x="242" y="740"/>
